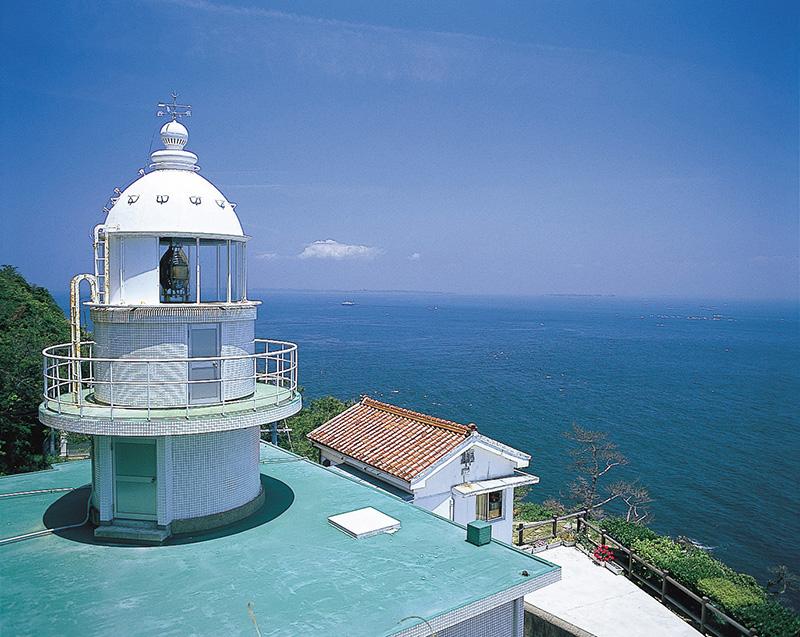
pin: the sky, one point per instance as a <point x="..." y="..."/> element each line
<point x="516" y="148"/>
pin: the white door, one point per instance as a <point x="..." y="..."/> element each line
<point x="204" y="375"/>
<point x="445" y="509"/>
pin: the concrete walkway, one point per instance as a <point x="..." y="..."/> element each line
<point x="606" y="605"/>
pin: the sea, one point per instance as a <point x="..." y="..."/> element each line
<point x="701" y="396"/>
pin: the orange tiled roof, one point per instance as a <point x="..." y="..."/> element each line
<point x="399" y="441"/>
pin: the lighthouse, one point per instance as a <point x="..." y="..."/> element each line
<point x="174" y="386"/>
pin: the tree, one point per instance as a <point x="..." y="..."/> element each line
<point x="593" y="457"/>
<point x="782" y="581"/>
<point x="314" y="414"/>
<point x="30" y="320"/>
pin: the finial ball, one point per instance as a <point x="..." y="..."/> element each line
<point x="174" y="135"/>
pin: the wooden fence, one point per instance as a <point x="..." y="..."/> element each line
<point x="699" y="610"/>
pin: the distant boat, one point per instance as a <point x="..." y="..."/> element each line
<point x="348" y="303"/>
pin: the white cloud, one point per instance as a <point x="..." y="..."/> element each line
<point x="331" y="249"/>
<point x="415" y="256"/>
<point x="268" y="256"/>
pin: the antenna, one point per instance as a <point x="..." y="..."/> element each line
<point x="173" y="109"/>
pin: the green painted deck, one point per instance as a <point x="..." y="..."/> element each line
<point x="303" y="576"/>
<point x="265" y="396"/>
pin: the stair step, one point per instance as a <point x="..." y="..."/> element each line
<point x="132" y="533"/>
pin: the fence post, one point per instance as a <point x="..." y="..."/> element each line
<point x="630" y="561"/>
<point x="520" y="529"/>
<point x="578" y="521"/>
<point x="703" y="613"/>
<point x="555" y="525"/>
<point x="602" y="537"/>
<point x="664" y="575"/>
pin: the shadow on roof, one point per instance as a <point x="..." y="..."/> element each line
<point x="71" y="509"/>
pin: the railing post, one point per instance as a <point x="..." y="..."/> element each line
<point x="602" y="537"/>
<point x="630" y="561"/>
<point x="111" y="382"/>
<point x="520" y="529"/>
<point x="148" y="389"/>
<point x="555" y="525"/>
<point x="578" y="522"/>
<point x="703" y="613"/>
<point x="664" y="575"/>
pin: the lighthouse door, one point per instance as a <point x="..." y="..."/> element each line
<point x="204" y="386"/>
<point x="135" y="471"/>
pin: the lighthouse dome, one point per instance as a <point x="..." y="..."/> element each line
<point x="173" y="202"/>
<point x="172" y="199"/>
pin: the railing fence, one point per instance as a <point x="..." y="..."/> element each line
<point x="698" y="609"/>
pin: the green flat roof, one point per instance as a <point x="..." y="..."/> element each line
<point x="302" y="575"/>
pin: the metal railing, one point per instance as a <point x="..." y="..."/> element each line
<point x="81" y="381"/>
<point x="696" y="609"/>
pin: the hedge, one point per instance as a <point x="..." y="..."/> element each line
<point x="737" y="594"/>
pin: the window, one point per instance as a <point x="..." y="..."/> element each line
<point x="489" y="506"/>
<point x="177" y="270"/>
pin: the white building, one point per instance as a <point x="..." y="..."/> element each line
<point x="175" y="386"/>
<point x="443" y="466"/>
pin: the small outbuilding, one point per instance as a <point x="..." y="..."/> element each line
<point x="443" y="466"/>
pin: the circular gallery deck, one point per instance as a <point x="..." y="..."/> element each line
<point x="268" y="403"/>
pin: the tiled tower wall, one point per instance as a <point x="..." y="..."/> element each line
<point x="213" y="472"/>
<point x="165" y="339"/>
<point x="501" y="620"/>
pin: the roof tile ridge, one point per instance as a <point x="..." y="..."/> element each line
<point x="427" y="419"/>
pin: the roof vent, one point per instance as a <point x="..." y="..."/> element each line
<point x="364" y="522"/>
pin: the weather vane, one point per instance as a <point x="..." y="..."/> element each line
<point x="174" y="109"/>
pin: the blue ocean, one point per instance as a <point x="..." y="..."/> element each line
<point x="702" y="397"/>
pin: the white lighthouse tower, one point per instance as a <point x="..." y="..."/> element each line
<point x="175" y="387"/>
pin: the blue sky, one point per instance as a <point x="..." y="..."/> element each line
<point x="630" y="148"/>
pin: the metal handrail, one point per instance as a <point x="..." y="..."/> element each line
<point x="65" y="382"/>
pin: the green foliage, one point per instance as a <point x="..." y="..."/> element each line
<point x="533" y="512"/>
<point x="626" y="532"/>
<point x="314" y="414"/>
<point x="30" y="320"/>
<point x="730" y="593"/>
<point x="696" y="565"/>
<point x="661" y="552"/>
<point x="770" y="619"/>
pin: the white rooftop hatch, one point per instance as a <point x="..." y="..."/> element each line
<point x="364" y="522"/>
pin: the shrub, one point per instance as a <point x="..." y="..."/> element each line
<point x="696" y="564"/>
<point x="533" y="512"/>
<point x="661" y="552"/>
<point x="729" y="593"/>
<point x="626" y="532"/>
<point x="769" y="619"/>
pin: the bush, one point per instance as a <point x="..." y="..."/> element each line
<point x="313" y="414"/>
<point x="661" y="552"/>
<point x="731" y="593"/>
<point x="769" y="619"/>
<point x="626" y="532"/>
<point x="533" y="512"/>
<point x="696" y="565"/>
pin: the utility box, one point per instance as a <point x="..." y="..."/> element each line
<point x="479" y="532"/>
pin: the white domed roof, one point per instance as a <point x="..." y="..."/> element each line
<point x="173" y="202"/>
<point x="172" y="199"/>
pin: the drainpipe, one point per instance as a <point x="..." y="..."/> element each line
<point x="75" y="322"/>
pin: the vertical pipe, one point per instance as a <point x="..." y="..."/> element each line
<point x="244" y="271"/>
<point x="273" y="432"/>
<point x="219" y="274"/>
<point x="197" y="269"/>
<point x="229" y="269"/>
